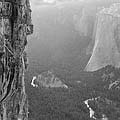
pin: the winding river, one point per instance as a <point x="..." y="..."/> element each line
<point x="92" y="112"/>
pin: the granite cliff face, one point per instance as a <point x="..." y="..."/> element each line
<point x="84" y="24"/>
<point x="105" y="63"/>
<point x="106" y="48"/>
<point x="15" y="25"/>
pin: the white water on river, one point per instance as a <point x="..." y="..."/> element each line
<point x="92" y="113"/>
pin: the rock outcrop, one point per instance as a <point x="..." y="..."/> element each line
<point x="15" y="25"/>
<point x="106" y="49"/>
<point x="47" y="80"/>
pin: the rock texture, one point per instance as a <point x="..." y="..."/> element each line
<point x="15" y="25"/>
<point x="106" y="49"/>
<point x="48" y="80"/>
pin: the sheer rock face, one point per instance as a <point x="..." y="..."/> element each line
<point x="84" y="23"/>
<point x="107" y="41"/>
<point x="15" y="25"/>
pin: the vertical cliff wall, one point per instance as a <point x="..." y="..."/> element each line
<point x="15" y="25"/>
<point x="107" y="39"/>
<point x="86" y="23"/>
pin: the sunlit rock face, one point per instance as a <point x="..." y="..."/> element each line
<point x="107" y="40"/>
<point x="48" y="80"/>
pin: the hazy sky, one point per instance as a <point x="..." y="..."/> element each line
<point x="38" y="2"/>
